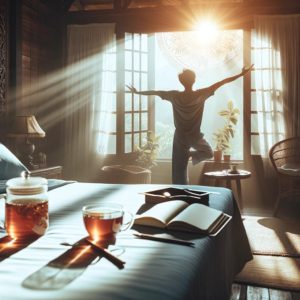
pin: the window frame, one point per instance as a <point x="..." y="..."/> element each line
<point x="120" y="97"/>
<point x="253" y="113"/>
<point x="121" y="90"/>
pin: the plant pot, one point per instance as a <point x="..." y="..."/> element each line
<point x="217" y="155"/>
<point x="226" y="157"/>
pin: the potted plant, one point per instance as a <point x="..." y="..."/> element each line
<point x="147" y="153"/>
<point x="223" y="135"/>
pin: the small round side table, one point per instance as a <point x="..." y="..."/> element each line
<point x="226" y="175"/>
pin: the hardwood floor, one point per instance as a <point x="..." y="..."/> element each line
<point x="248" y="292"/>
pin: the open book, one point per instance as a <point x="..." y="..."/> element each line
<point x="179" y="215"/>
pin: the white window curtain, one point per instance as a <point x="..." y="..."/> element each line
<point x="88" y="76"/>
<point x="277" y="59"/>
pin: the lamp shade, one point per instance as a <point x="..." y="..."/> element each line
<point x="26" y="126"/>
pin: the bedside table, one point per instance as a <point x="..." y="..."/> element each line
<point x="49" y="173"/>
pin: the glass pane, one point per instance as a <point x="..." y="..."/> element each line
<point x="136" y="61"/>
<point x="144" y="85"/>
<point x="113" y="123"/>
<point x="108" y="82"/>
<point x="144" y="100"/>
<point x="144" y="117"/>
<point x="136" y="80"/>
<point x="266" y="79"/>
<point x="278" y="80"/>
<point x="254" y="123"/>
<point x="137" y="141"/>
<point x="103" y="105"/>
<point x="253" y="85"/>
<point x="113" y="102"/>
<point x="109" y="61"/>
<point x="128" y="60"/>
<point x="106" y="143"/>
<point x="128" y="146"/>
<point x="104" y="121"/>
<point x="107" y="102"/>
<point x="112" y="47"/>
<point x="128" y="101"/>
<point x="136" y="41"/>
<point x="128" y="78"/>
<point x="128" y="122"/>
<point x="144" y="138"/>
<point x="137" y="103"/>
<point x="255" y="145"/>
<point x="144" y="41"/>
<point x="265" y="58"/>
<point x="136" y="122"/>
<point x="111" y="148"/>
<point x="128" y="41"/>
<point x="253" y="101"/>
<point x="144" y="62"/>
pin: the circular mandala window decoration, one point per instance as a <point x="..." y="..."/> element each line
<point x="201" y="52"/>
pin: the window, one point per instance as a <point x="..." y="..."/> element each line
<point x="108" y="108"/>
<point x="137" y="107"/>
<point x="126" y="118"/>
<point x="212" y="59"/>
<point x="153" y="61"/>
<point x="266" y="97"/>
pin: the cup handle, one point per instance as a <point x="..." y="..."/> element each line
<point x="2" y="225"/>
<point x="128" y="224"/>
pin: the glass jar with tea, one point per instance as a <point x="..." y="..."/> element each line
<point x="26" y="207"/>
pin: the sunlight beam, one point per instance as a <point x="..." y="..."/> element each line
<point x="208" y="29"/>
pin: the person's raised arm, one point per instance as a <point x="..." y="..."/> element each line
<point x="132" y="89"/>
<point x="229" y="79"/>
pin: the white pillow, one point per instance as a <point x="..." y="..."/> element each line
<point x="10" y="165"/>
<point x="292" y="169"/>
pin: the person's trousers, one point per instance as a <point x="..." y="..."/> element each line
<point x="182" y="151"/>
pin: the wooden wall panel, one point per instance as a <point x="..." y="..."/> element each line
<point x="41" y="56"/>
<point x="3" y="65"/>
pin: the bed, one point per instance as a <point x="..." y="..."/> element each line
<point x="48" y="269"/>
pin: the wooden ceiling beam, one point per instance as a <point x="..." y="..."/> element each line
<point x="231" y="15"/>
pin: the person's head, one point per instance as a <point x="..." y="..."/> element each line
<point x="187" y="78"/>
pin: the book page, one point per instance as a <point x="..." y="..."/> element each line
<point x="160" y="214"/>
<point x="196" y="217"/>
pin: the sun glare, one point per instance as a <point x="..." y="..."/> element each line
<point x="207" y="29"/>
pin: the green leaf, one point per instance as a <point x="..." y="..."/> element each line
<point x="236" y="111"/>
<point x="233" y="120"/>
<point x="224" y="113"/>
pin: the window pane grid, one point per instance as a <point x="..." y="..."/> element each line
<point x="136" y="111"/>
<point x="266" y="96"/>
<point x="106" y="106"/>
<point x="138" y="131"/>
<point x="136" y="73"/>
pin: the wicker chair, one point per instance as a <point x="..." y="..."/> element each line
<point x="285" y="158"/>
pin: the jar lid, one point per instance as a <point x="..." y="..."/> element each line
<point x="26" y="185"/>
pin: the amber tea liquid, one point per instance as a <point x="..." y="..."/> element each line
<point x="104" y="224"/>
<point x="26" y="218"/>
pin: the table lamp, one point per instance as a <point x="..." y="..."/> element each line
<point x="26" y="127"/>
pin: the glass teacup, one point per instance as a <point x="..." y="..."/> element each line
<point x="104" y="221"/>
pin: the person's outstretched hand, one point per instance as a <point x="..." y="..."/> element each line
<point x="131" y="88"/>
<point x="246" y="70"/>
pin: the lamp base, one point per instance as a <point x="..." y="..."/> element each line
<point x="26" y="155"/>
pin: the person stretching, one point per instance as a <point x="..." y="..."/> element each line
<point x="188" y="106"/>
